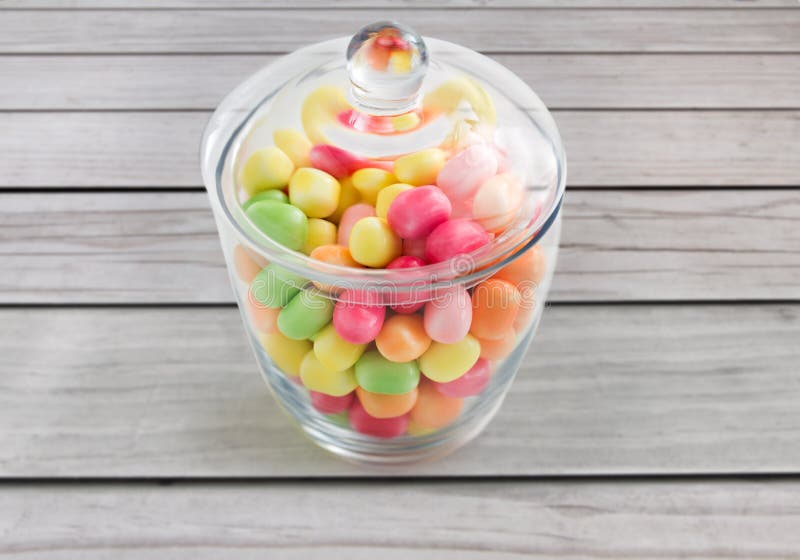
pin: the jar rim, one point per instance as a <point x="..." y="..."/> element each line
<point x="462" y="270"/>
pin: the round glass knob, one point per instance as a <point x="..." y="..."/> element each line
<point x="386" y="62"/>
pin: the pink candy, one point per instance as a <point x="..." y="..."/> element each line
<point x="340" y="163"/>
<point x="356" y="322"/>
<point x="415" y="213"/>
<point x="448" y="316"/>
<point x="328" y="404"/>
<point x="407" y="303"/>
<point x="362" y="422"/>
<point x="454" y="237"/>
<point x="349" y="218"/>
<point x="463" y="173"/>
<point x="414" y="248"/>
<point x="470" y="384"/>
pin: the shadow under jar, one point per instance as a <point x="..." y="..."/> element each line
<point x="389" y="211"/>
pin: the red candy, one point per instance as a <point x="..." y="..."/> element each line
<point x="356" y="322"/>
<point x="340" y="163"/>
<point x="362" y="422"/>
<point x="327" y="404"/>
<point x="415" y="213"/>
<point x="454" y="237"/>
<point x="470" y="384"/>
<point x="414" y="248"/>
<point x="407" y="302"/>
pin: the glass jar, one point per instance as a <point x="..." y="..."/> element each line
<point x="389" y="211"/>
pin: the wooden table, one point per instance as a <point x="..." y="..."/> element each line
<point x="657" y="414"/>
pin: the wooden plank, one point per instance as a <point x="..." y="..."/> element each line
<point x="498" y="30"/>
<point x="415" y="4"/>
<point x="458" y="520"/>
<point x="750" y="81"/>
<point x="604" y="148"/>
<point x="174" y="392"/>
<point x="616" y="246"/>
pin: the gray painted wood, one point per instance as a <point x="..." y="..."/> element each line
<point x="497" y="30"/>
<point x="483" y="520"/>
<point x="151" y="392"/>
<point x="616" y="246"/>
<point x="604" y="148"/>
<point x="710" y="81"/>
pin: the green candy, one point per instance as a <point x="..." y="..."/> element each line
<point x="275" y="286"/>
<point x="376" y="374"/>
<point x="284" y="223"/>
<point x="274" y="195"/>
<point x="305" y="315"/>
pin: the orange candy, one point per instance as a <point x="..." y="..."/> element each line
<point x="499" y="348"/>
<point x="495" y="304"/>
<point x="263" y="319"/>
<point x="246" y="266"/>
<point x="334" y="254"/>
<point x="433" y="409"/>
<point x="402" y="338"/>
<point x="379" y="405"/>
<point x="528" y="267"/>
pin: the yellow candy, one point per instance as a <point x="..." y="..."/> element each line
<point x="387" y="196"/>
<point x="287" y="354"/>
<point x="319" y="108"/>
<point x="320" y="232"/>
<point x="347" y="197"/>
<point x="294" y="144"/>
<point x="373" y="243"/>
<point x="415" y="430"/>
<point x="314" y="192"/>
<point x="406" y="121"/>
<point x="447" y="362"/>
<point x="370" y="181"/>
<point x="267" y="168"/>
<point x="334" y="352"/>
<point x="420" y="168"/>
<point x="317" y="377"/>
<point x="400" y="62"/>
<point x="448" y="97"/>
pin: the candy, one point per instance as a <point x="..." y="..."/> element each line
<point x="334" y="352"/>
<point x="274" y="195"/>
<point x="327" y="404"/>
<point x="419" y="168"/>
<point x="373" y="243"/>
<point x="320" y="232"/>
<point x="402" y="338"/>
<point x="338" y="162"/>
<point x="446" y="362"/>
<point x="498" y="348"/>
<point x="305" y="314"/>
<point x="287" y="354"/>
<point x="448" y="315"/>
<point x="376" y="374"/>
<point x="434" y="409"/>
<point x="379" y="405"/>
<point x="349" y="219"/>
<point x="470" y="384"/>
<point x="246" y="266"/>
<point x="348" y="196"/>
<point x="454" y="237"/>
<point x="267" y="168"/>
<point x="410" y="300"/>
<point x="415" y="213"/>
<point x="464" y="173"/>
<point x="414" y="247"/>
<point x="317" y="377"/>
<point x="495" y="304"/>
<point x="275" y="286"/>
<point x="527" y="268"/>
<point x="450" y="96"/>
<point x="319" y="108"/>
<point x="363" y="423"/>
<point x="284" y="223"/>
<point x="357" y="320"/>
<point x="294" y="144"/>
<point x="387" y="196"/>
<point x="334" y="254"/>
<point x="497" y="202"/>
<point x="263" y="319"/>
<point x="314" y="192"/>
<point x="369" y="182"/>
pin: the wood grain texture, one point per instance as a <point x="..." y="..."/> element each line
<point x="604" y="148"/>
<point x="476" y="520"/>
<point x="121" y="392"/>
<point x="498" y="30"/>
<point x="698" y="81"/>
<point x="616" y="246"/>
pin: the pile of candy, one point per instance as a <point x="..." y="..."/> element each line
<point x="387" y="368"/>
